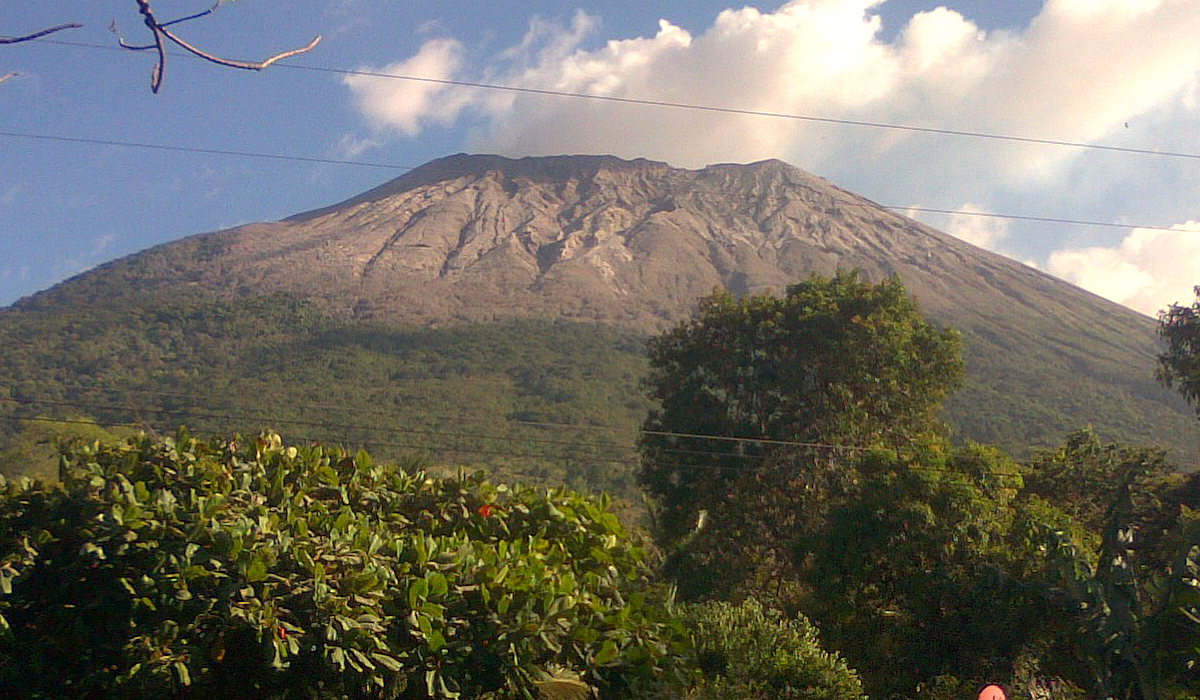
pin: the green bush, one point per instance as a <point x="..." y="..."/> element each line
<point x="248" y="569"/>
<point x="747" y="652"/>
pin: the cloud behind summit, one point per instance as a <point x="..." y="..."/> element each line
<point x="1117" y="72"/>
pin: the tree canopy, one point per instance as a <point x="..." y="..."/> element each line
<point x="835" y="361"/>
<point x="1179" y="363"/>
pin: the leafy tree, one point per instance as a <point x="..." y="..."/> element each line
<point x="1084" y="476"/>
<point x="835" y="361"/>
<point x="748" y="652"/>
<point x="908" y="579"/>
<point x="1179" y="363"/>
<point x="250" y="569"/>
<point x="1138" y="627"/>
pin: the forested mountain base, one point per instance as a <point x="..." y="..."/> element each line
<point x="531" y="401"/>
<point x="799" y="475"/>
<point x="545" y="402"/>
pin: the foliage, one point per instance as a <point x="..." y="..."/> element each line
<point x="482" y="394"/>
<point x="909" y="578"/>
<point x="748" y="652"/>
<point x="1083" y="476"/>
<point x="492" y="396"/>
<point x="838" y="361"/>
<point x="1138" y="627"/>
<point x="1179" y="363"/>
<point x="250" y="569"/>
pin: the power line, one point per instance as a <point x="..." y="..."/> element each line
<point x="691" y="106"/>
<point x="758" y="113"/>
<point x="1044" y="219"/>
<point x="199" y="149"/>
<point x="369" y="164"/>
<point x="764" y="461"/>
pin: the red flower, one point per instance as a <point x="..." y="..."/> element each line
<point x="282" y="633"/>
<point x="486" y="510"/>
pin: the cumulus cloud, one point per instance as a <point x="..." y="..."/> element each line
<point x="1080" y="72"/>
<point x="1081" y="69"/>
<point x="409" y="105"/>
<point x="1148" y="271"/>
<point x="971" y="223"/>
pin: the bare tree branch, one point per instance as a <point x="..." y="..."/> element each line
<point x="38" y="35"/>
<point x="8" y="75"/>
<point x="160" y="32"/>
<point x="198" y="15"/>
<point x="246" y="65"/>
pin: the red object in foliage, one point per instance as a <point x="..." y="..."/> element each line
<point x="282" y="633"/>
<point x="486" y="510"/>
<point x="992" y="692"/>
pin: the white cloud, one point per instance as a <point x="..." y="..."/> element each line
<point x="409" y="105"/>
<point x="971" y="223"/>
<point x="352" y="146"/>
<point x="1147" y="271"/>
<point x="1079" y="72"/>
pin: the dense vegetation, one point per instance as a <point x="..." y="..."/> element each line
<point x="552" y="402"/>
<point x="531" y="401"/>
<point x="839" y="362"/>
<point x="1179" y="364"/>
<point x="248" y="569"/>
<point x="823" y="484"/>
<point x="800" y="481"/>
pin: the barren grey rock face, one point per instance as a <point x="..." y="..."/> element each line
<point x="632" y="243"/>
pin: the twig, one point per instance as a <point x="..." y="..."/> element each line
<point x="38" y="35"/>
<point x="246" y="65"/>
<point x="159" y="31"/>
<point x="7" y="76"/>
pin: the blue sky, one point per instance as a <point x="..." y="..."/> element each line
<point x="1121" y="73"/>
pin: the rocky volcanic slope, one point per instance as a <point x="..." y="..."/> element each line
<point x="635" y="243"/>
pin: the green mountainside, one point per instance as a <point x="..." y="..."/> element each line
<point x="485" y="311"/>
<point x="535" y="401"/>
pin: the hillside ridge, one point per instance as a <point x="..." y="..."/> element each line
<point x="471" y="239"/>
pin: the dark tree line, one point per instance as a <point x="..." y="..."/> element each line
<point x="832" y="489"/>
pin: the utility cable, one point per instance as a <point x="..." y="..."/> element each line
<point x="405" y="168"/>
<point x="764" y="460"/>
<point x="640" y="102"/>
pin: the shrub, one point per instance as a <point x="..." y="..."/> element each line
<point x="748" y="652"/>
<point x="244" y="568"/>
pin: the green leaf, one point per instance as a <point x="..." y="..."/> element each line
<point x="257" y="571"/>
<point x="436" y="640"/>
<point x="608" y="652"/>
<point x="388" y="662"/>
<point x="438" y="584"/>
<point x="417" y="593"/>
<point x="181" y="673"/>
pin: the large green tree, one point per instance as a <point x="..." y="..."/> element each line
<point x="1179" y="363"/>
<point x="754" y="387"/>
<point x="910" y="577"/>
